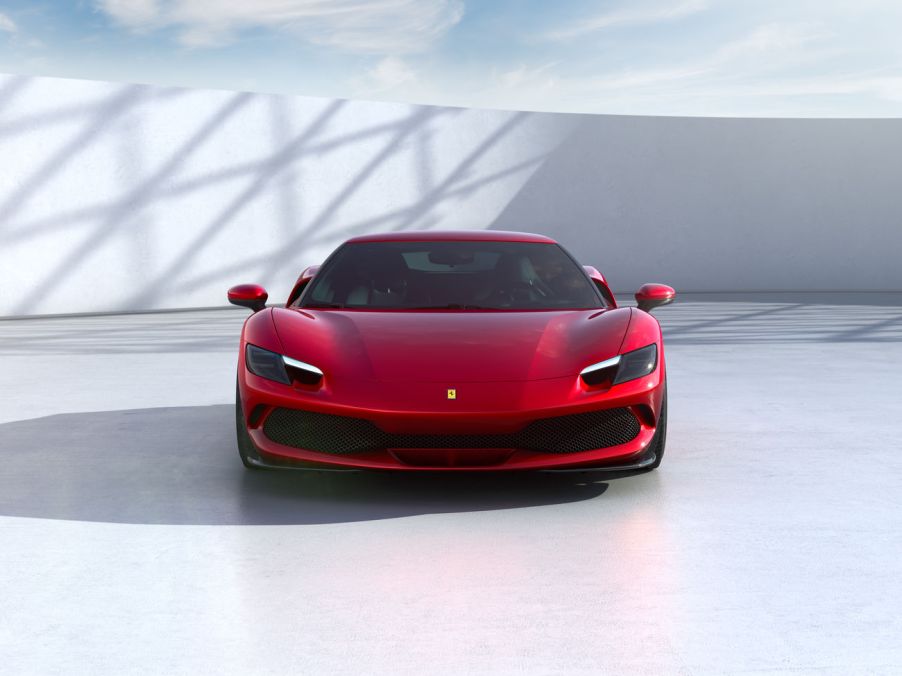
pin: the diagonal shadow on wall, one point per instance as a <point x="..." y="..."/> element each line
<point x="89" y="228"/>
<point x="132" y="202"/>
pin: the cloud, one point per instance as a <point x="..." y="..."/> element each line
<point x="633" y="16"/>
<point x="387" y="26"/>
<point x="771" y="46"/>
<point x="887" y="88"/>
<point x="7" y="25"/>
<point x="389" y="73"/>
<point x="525" y="77"/>
<point x="769" y="41"/>
<point x="131" y="13"/>
<point x="750" y="72"/>
<point x="536" y="88"/>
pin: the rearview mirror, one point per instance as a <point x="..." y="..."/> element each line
<point x="450" y="257"/>
<point x="252" y="296"/>
<point x="650" y="296"/>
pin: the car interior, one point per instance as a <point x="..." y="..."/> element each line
<point x="454" y="277"/>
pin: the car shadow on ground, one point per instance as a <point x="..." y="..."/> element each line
<point x="180" y="466"/>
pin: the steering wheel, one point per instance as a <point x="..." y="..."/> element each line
<point x="541" y="287"/>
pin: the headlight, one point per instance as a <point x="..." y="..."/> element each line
<point x="637" y="363"/>
<point x="274" y="366"/>
<point x="622" y="368"/>
<point x="266" y="364"/>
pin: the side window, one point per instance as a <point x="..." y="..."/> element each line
<point x="323" y="293"/>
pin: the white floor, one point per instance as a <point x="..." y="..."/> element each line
<point x="770" y="541"/>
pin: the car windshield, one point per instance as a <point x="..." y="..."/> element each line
<point x="454" y="275"/>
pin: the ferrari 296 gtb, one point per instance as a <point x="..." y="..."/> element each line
<point x="475" y="350"/>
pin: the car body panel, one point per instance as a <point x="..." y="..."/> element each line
<point x="303" y="280"/>
<point x="602" y="284"/>
<point x="450" y="346"/>
<point x="453" y="236"/>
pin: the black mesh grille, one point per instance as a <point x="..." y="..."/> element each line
<point x="323" y="432"/>
<point x="327" y="433"/>
<point x="580" y="432"/>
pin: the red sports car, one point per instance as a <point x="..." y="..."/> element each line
<point x="451" y="351"/>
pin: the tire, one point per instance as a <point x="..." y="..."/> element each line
<point x="660" y="439"/>
<point x="246" y="449"/>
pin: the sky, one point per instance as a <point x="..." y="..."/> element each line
<point x="769" y="58"/>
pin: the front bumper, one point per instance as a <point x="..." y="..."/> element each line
<point x="635" y="464"/>
<point x="418" y="433"/>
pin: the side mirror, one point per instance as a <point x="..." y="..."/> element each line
<point x="248" y="295"/>
<point x="650" y="296"/>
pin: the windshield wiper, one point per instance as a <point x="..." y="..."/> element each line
<point x="449" y="306"/>
<point x="318" y="306"/>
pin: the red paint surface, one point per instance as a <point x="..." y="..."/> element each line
<point x="253" y="296"/>
<point x="453" y="236"/>
<point x="658" y="292"/>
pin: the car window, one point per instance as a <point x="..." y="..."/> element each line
<point x="451" y="275"/>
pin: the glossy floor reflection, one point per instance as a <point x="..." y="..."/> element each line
<point x="132" y="541"/>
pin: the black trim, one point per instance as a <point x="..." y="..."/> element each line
<point x="341" y="435"/>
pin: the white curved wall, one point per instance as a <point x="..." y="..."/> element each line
<point x="709" y="204"/>
<point x="126" y="197"/>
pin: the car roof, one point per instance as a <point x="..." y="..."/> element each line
<point x="453" y="236"/>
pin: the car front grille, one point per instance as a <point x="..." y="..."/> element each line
<point x="340" y="435"/>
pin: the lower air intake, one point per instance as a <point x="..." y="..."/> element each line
<point x="340" y="435"/>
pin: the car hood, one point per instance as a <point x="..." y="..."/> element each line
<point x="450" y="347"/>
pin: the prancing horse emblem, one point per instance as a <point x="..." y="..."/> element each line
<point x="452" y="394"/>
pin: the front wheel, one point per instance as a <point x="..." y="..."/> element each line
<point x="660" y="438"/>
